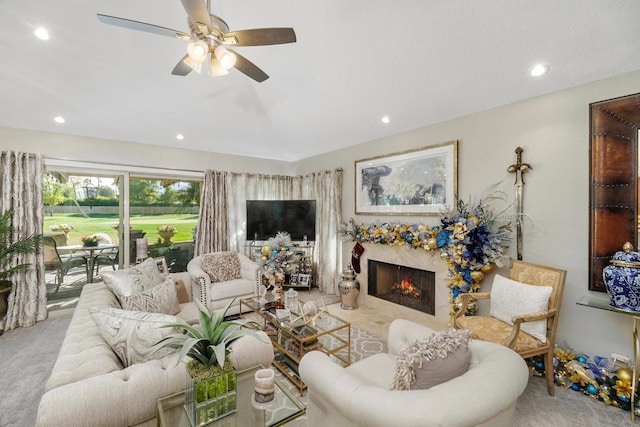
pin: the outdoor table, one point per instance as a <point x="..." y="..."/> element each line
<point x="92" y="252"/>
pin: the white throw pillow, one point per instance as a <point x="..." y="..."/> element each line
<point x="131" y="334"/>
<point x="130" y="281"/>
<point x="511" y="298"/>
<point x="162" y="298"/>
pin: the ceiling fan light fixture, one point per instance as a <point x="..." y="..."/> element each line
<point x="216" y="69"/>
<point x="226" y="58"/>
<point x="198" y="50"/>
<point x="195" y="65"/>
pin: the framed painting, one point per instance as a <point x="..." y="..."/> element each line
<point x="417" y="182"/>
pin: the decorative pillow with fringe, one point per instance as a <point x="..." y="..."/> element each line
<point x="433" y="360"/>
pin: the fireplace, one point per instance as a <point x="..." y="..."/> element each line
<point x="407" y="286"/>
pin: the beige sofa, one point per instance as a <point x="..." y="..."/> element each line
<point x="89" y="386"/>
<point x="360" y="395"/>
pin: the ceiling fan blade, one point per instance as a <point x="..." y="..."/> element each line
<point x="249" y="68"/>
<point x="198" y="13"/>
<point x="142" y="26"/>
<point x="260" y="37"/>
<point x="181" y="69"/>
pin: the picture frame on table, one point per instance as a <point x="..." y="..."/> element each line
<point x="423" y="181"/>
<point x="293" y="279"/>
<point x="303" y="279"/>
<point x="161" y="263"/>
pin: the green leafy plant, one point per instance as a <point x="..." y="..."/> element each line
<point x="10" y="248"/>
<point x="208" y="342"/>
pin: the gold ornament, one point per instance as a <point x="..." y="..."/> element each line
<point x="264" y="258"/>
<point x="444" y="256"/>
<point x="477" y="276"/>
<point x="432" y="243"/>
<point x="266" y="249"/>
<point x="486" y="269"/>
<point x="624" y="374"/>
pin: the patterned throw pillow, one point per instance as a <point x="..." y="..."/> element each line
<point x="129" y="281"/>
<point x="131" y="334"/>
<point x="511" y="298"/>
<point x="433" y="360"/>
<point x="162" y="298"/>
<point x="221" y="266"/>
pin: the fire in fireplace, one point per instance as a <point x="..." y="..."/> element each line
<point x="407" y="286"/>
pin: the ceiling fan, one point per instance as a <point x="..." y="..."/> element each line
<point x="209" y="36"/>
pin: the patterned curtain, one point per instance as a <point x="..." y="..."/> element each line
<point x="21" y="190"/>
<point x="213" y="224"/>
<point x="325" y="187"/>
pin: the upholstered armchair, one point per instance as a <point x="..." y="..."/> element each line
<point x="219" y="277"/>
<point x="360" y="395"/>
<point x="524" y="312"/>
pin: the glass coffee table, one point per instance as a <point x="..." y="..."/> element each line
<point x="326" y="333"/>
<point x="283" y="408"/>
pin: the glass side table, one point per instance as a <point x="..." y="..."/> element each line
<point x="602" y="303"/>
<point x="283" y="408"/>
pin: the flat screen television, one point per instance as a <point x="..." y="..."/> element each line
<point x="265" y="218"/>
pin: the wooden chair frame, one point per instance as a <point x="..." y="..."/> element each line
<point x="539" y="275"/>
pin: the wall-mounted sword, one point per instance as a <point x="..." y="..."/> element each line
<point x="519" y="169"/>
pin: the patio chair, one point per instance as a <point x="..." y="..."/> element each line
<point x="106" y="257"/>
<point x="62" y="264"/>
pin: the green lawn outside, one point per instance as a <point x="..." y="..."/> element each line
<point x="102" y="223"/>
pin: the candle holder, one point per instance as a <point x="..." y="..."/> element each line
<point x="265" y="385"/>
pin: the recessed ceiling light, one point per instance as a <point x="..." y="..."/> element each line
<point x="58" y="119"/>
<point x="539" y="70"/>
<point x="386" y="120"/>
<point x="180" y="136"/>
<point x="42" y="33"/>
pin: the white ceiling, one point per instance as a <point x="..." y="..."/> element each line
<point x="418" y="61"/>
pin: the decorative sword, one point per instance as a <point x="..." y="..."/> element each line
<point x="519" y="169"/>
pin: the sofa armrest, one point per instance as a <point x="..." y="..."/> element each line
<point x="124" y="397"/>
<point x="404" y="332"/>
<point x="200" y="281"/>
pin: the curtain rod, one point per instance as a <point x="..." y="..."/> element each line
<point x="280" y="176"/>
<point x="89" y="164"/>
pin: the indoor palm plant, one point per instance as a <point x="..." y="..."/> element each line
<point x="211" y="376"/>
<point x="9" y="249"/>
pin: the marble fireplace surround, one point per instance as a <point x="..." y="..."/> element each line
<point x="416" y="258"/>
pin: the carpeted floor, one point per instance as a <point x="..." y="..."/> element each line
<point x="28" y="355"/>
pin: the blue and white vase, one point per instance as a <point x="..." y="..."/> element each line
<point x="622" y="279"/>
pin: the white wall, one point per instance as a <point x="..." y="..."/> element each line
<point x="68" y="147"/>
<point x="553" y="130"/>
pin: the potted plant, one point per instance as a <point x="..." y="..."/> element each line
<point x="65" y="228"/>
<point x="211" y="376"/>
<point x="167" y="232"/>
<point x="8" y="250"/>
<point x="90" y="240"/>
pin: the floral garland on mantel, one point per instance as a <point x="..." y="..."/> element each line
<point x="471" y="240"/>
